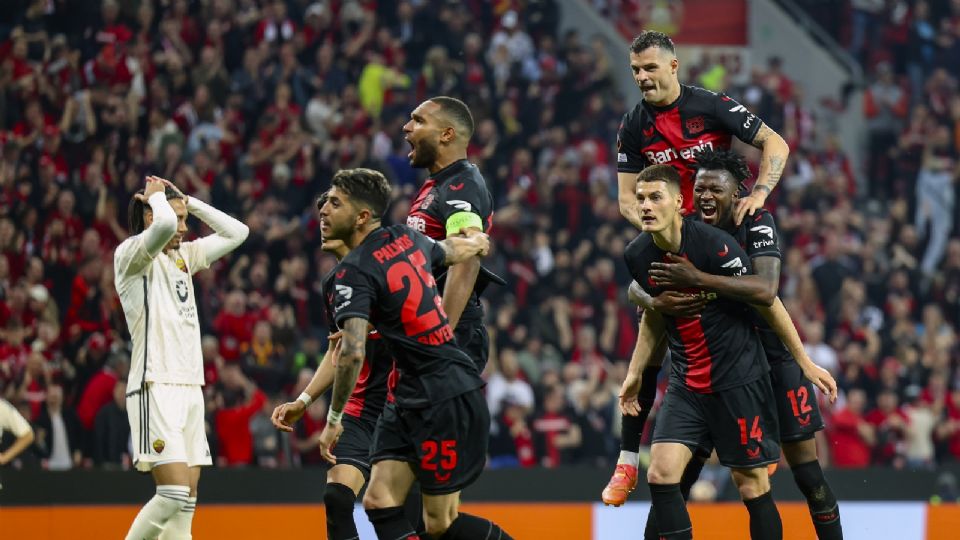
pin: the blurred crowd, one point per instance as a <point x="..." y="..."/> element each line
<point x="252" y="104"/>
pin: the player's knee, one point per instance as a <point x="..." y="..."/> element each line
<point x="752" y="483"/>
<point x="436" y="521"/>
<point x="800" y="452"/>
<point x="338" y="498"/>
<point x="661" y="474"/>
<point x="377" y="498"/>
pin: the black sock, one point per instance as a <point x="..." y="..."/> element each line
<point x="690" y="476"/>
<point x="338" y="502"/>
<point x="671" y="512"/>
<point x="632" y="426"/>
<point x="820" y="499"/>
<point x="765" y="521"/>
<point x="413" y="509"/>
<point x="391" y="523"/>
<point x="470" y="527"/>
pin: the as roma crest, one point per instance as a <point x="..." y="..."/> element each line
<point x="159" y="445"/>
<point x="695" y="125"/>
<point x="182" y="265"/>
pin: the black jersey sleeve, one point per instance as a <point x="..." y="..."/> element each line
<point x="464" y="203"/>
<point x="629" y="144"/>
<point x="354" y="293"/>
<point x="637" y="260"/>
<point x="736" y="118"/>
<point x="762" y="237"/>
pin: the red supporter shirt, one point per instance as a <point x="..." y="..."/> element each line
<point x="849" y="448"/>
<point x="233" y="430"/>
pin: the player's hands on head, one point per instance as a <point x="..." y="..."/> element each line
<point x="173" y="186"/>
<point x="154" y="185"/>
<point x="328" y="439"/>
<point x="676" y="273"/>
<point x="286" y="415"/>
<point x="629" y="392"/>
<point x="821" y="378"/>
<point x="749" y="205"/>
<point x="678" y="304"/>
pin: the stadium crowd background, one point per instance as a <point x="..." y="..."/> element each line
<point x="252" y="105"/>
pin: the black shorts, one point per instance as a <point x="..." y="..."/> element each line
<point x="446" y="443"/>
<point x="472" y="338"/>
<point x="355" y="442"/>
<point x="740" y="423"/>
<point x="796" y="400"/>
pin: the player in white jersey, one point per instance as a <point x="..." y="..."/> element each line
<point x="153" y="270"/>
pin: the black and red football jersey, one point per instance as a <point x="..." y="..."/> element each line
<point x="455" y="197"/>
<point x="672" y="135"/>
<point x="388" y="280"/>
<point x="720" y="349"/>
<point x="377" y="376"/>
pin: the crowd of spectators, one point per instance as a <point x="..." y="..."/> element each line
<point x="252" y="104"/>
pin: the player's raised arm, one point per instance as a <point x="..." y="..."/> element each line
<point x="627" y="197"/>
<point x="772" y="161"/>
<point x="229" y="232"/>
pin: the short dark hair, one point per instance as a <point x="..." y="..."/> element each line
<point x="457" y="111"/>
<point x="660" y="173"/>
<point x="652" y="38"/>
<point x="723" y="160"/>
<point x="322" y="199"/>
<point x="368" y="187"/>
<point x="136" y="208"/>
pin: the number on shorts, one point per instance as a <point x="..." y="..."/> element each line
<point x="756" y="433"/>
<point x="803" y="407"/>
<point x="448" y="455"/>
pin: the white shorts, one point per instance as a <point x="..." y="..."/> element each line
<point x="167" y="425"/>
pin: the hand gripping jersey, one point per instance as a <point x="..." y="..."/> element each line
<point x="720" y="349"/>
<point x="377" y="376"/>
<point x="697" y="120"/>
<point x="388" y="280"/>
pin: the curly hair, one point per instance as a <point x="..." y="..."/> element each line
<point x="723" y="160"/>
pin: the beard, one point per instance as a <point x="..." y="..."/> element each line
<point x="425" y="155"/>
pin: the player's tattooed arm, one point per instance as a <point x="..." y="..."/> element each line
<point x="772" y="161"/>
<point x="627" y="197"/>
<point x="458" y="249"/>
<point x="352" y="350"/>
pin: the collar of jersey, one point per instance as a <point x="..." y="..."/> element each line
<point x="676" y="103"/>
<point x="447" y="172"/>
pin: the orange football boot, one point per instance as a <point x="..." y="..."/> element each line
<point x="624" y="480"/>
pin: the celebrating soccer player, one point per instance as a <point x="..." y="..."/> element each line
<point x="669" y="126"/>
<point x="153" y="274"/>
<point x="720" y="395"/>
<point x="453" y="198"/>
<point x="438" y="429"/>
<point x="720" y="175"/>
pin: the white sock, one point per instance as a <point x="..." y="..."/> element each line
<point x="629" y="458"/>
<point x="178" y="528"/>
<point x="154" y="515"/>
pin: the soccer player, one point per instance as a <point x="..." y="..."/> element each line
<point x="153" y="270"/>
<point x="436" y="432"/>
<point x="14" y="422"/>
<point x="453" y="198"/>
<point x="377" y="377"/>
<point x="720" y="395"/>
<point x="720" y="175"/>
<point x="670" y="124"/>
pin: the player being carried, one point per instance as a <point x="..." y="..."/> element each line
<point x="437" y="432"/>
<point x="720" y="175"/>
<point x="719" y="395"/>
<point x="670" y="124"/>
<point x="153" y="274"/>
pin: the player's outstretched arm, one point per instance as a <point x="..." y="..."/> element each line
<point x="649" y="339"/>
<point x="781" y="323"/>
<point x="228" y="234"/>
<point x="759" y="288"/>
<point x="772" y="161"/>
<point x="672" y="303"/>
<point x="287" y="414"/>
<point x="352" y="346"/>
<point x="627" y="197"/>
<point x="471" y="245"/>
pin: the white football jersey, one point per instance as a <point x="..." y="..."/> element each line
<point x="161" y="312"/>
